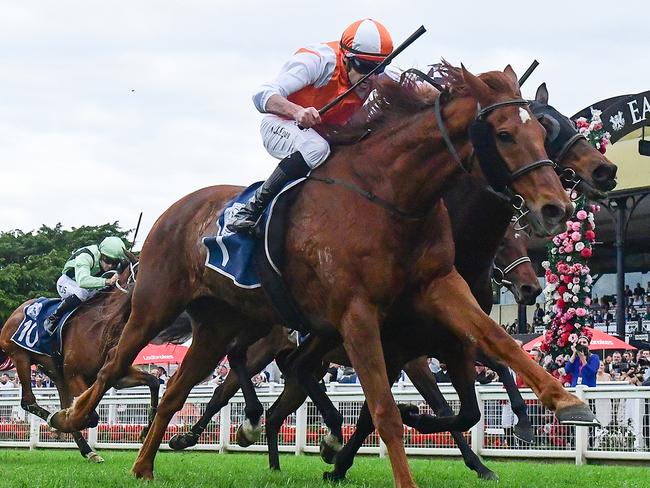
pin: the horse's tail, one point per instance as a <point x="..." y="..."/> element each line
<point x="177" y="333"/>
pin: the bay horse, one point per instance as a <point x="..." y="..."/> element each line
<point x="348" y="288"/>
<point x="88" y="335"/>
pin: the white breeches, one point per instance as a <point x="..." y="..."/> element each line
<point x="282" y="137"/>
<point x="66" y="286"/>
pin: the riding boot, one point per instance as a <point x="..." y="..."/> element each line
<point x="67" y="304"/>
<point x="290" y="168"/>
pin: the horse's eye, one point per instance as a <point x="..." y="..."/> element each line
<point x="505" y="137"/>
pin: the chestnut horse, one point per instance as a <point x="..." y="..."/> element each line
<point x="88" y="335"/>
<point x="277" y="345"/>
<point x="347" y="287"/>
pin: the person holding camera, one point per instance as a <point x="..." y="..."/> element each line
<point x="583" y="365"/>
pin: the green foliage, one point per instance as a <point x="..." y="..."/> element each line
<point x="31" y="262"/>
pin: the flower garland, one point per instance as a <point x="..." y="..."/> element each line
<point x="568" y="282"/>
<point x="594" y="131"/>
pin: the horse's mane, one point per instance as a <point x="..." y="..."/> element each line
<point x="116" y="308"/>
<point x="388" y="102"/>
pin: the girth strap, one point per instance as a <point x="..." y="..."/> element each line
<point x="368" y="195"/>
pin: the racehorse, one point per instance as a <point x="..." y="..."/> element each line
<point x="348" y="291"/>
<point x="88" y="335"/>
<point x="278" y="344"/>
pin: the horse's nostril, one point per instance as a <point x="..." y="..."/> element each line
<point x="552" y="213"/>
<point x="604" y="173"/>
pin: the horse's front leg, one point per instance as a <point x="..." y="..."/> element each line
<point x="135" y="377"/>
<point x="449" y="301"/>
<point x="361" y="338"/>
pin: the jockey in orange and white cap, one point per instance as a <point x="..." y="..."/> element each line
<point x="311" y="78"/>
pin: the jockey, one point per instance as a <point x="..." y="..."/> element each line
<point x="314" y="76"/>
<point x="81" y="276"/>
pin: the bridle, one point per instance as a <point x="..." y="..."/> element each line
<point x="133" y="269"/>
<point x="499" y="275"/>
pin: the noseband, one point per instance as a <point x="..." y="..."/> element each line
<point x="499" y="275"/>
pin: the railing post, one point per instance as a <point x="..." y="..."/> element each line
<point x="224" y="428"/>
<point x="301" y="428"/>
<point x="582" y="433"/>
<point x="34" y="430"/>
<point x="92" y="437"/>
<point x="478" y="431"/>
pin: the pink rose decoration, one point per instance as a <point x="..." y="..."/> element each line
<point x="575" y="237"/>
<point x="576" y="226"/>
<point x="568" y="248"/>
<point x="582" y="215"/>
<point x="581" y="312"/>
<point x="587" y="301"/>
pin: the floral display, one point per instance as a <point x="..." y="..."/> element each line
<point x="568" y="282"/>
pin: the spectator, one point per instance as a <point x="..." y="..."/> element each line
<point x="442" y="376"/>
<point x="347" y="375"/>
<point x="538" y="315"/>
<point x="6" y="382"/>
<point x="638" y="301"/>
<point x="434" y="365"/>
<point x="537" y="355"/>
<point x="483" y="374"/>
<point x="628" y="294"/>
<point x="161" y="374"/>
<point x="583" y="365"/>
<point x="259" y="379"/>
<point x="638" y="290"/>
<point x="602" y="376"/>
<point x="558" y="370"/>
<point x="332" y="373"/>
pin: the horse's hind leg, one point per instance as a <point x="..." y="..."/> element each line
<point x="259" y="355"/>
<point x="209" y="345"/>
<point x="523" y="429"/>
<point x="422" y="378"/>
<point x="292" y="396"/>
<point x="135" y="377"/>
<point x="249" y="431"/>
<point x="145" y="322"/>
<point x="23" y="365"/>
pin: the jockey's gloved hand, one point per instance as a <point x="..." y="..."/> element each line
<point x="112" y="280"/>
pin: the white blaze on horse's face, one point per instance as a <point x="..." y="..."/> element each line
<point x="524" y="115"/>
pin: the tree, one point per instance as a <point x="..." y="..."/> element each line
<point x="31" y="262"/>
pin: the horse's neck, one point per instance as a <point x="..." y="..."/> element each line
<point x="408" y="163"/>
<point x="479" y="222"/>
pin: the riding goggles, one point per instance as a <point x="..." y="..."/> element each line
<point x="363" y="66"/>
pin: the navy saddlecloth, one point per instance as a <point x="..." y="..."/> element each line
<point x="31" y="333"/>
<point x="233" y="254"/>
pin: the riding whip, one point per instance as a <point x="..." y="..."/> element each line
<point x="528" y="72"/>
<point x="137" y="228"/>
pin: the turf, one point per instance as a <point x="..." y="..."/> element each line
<point x="57" y="469"/>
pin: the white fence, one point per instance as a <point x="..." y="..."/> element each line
<point x="624" y="412"/>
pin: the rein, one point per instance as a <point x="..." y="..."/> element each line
<point x="371" y="197"/>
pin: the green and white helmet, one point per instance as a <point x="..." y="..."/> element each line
<point x="112" y="247"/>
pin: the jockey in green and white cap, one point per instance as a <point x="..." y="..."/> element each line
<point x="81" y="277"/>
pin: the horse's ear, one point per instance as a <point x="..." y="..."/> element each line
<point x="542" y="94"/>
<point x="130" y="256"/>
<point x="511" y="74"/>
<point x="478" y="88"/>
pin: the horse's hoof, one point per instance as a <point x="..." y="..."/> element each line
<point x="333" y="476"/>
<point x="248" y="434"/>
<point x="488" y="475"/>
<point x="409" y="413"/>
<point x="577" y="415"/>
<point x="525" y="433"/>
<point x="56" y="434"/>
<point x="183" y="441"/>
<point x="142" y="473"/>
<point x="93" y="419"/>
<point x="330" y="446"/>
<point x="93" y="457"/>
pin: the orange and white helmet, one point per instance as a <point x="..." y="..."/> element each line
<point x="368" y="40"/>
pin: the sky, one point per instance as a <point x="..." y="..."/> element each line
<point x="109" y="109"/>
